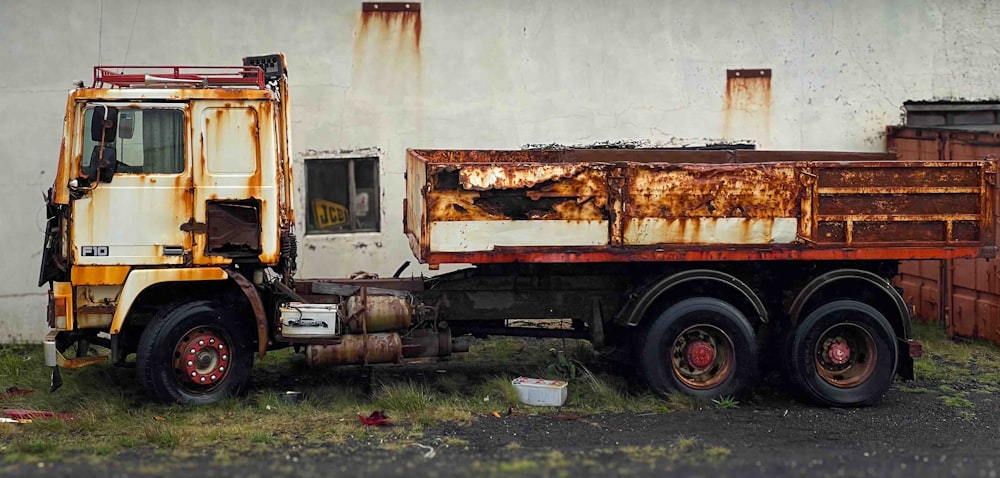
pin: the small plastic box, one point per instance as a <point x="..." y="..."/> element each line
<point x="540" y="392"/>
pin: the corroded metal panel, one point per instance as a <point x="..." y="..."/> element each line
<point x="712" y="204"/>
<point x="965" y="293"/>
<point x="661" y="205"/>
<point x="235" y="160"/>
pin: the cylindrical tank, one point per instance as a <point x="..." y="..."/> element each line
<point x="352" y="349"/>
<point x="427" y="343"/>
<point x="384" y="313"/>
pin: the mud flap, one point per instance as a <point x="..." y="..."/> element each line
<point x="56" y="381"/>
<point x="908" y="349"/>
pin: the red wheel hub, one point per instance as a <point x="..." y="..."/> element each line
<point x="839" y="352"/>
<point x="700" y="354"/>
<point x="202" y="357"/>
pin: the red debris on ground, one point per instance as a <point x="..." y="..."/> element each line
<point x="12" y="392"/>
<point x="378" y="419"/>
<point x="22" y="414"/>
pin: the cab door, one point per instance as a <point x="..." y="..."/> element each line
<point x="235" y="196"/>
<point x="137" y="218"/>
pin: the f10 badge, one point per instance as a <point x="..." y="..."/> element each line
<point x="94" y="251"/>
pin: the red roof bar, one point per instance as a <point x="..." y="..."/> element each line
<point x="209" y="76"/>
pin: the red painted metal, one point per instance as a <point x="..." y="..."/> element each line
<point x="839" y="352"/>
<point x="204" y="358"/>
<point x="209" y="76"/>
<point x="560" y="255"/>
<point x="963" y="293"/>
<point x="700" y="354"/>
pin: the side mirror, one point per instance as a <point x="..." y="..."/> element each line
<point x="103" y="123"/>
<point x="126" y="124"/>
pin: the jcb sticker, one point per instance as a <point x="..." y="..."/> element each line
<point x="329" y="214"/>
<point x="94" y="251"/>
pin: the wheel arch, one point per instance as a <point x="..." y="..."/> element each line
<point x="880" y="292"/>
<point x="676" y="286"/>
<point x="143" y="284"/>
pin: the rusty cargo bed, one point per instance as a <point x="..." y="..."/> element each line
<point x="605" y="205"/>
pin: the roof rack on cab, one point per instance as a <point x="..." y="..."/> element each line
<point x="178" y="77"/>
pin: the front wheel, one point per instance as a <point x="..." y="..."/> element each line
<point x="844" y="354"/>
<point x="702" y="347"/>
<point x="194" y="353"/>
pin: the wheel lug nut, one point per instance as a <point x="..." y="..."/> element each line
<point x="202" y="379"/>
<point x="222" y="369"/>
<point x="220" y="347"/>
<point x="211" y="341"/>
<point x="194" y="374"/>
<point x="192" y="351"/>
<point x="225" y="357"/>
<point x="190" y="363"/>
<point x="213" y="377"/>
<point x="201" y="342"/>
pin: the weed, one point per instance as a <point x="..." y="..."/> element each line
<point x="452" y="441"/>
<point x="956" y="402"/>
<point x="646" y="454"/>
<point x="679" y="401"/>
<point x="497" y="392"/>
<point x="685" y="444"/>
<point x="406" y="398"/>
<point x="909" y="389"/>
<point x="261" y="437"/>
<point x="161" y="436"/>
<point x="563" y="367"/>
<point x="717" y="453"/>
<point x="513" y="446"/>
<point x="726" y="403"/>
<point x="967" y="415"/>
<point x="35" y="446"/>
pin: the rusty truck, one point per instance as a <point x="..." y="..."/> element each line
<point x="170" y="238"/>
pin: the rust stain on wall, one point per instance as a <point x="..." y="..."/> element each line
<point x="747" y="105"/>
<point x="387" y="45"/>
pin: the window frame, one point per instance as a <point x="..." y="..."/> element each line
<point x="352" y="188"/>
<point x="84" y="134"/>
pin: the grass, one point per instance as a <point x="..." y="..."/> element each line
<point x="726" y="403"/>
<point x="112" y="414"/>
<point x="957" y="368"/>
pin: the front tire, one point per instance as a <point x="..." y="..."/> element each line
<point x="702" y="347"/>
<point x="194" y="353"/>
<point x="844" y="354"/>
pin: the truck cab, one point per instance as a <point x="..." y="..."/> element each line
<point x="168" y="176"/>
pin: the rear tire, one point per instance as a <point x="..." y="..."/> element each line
<point x="702" y="347"/>
<point x="844" y="354"/>
<point x="194" y="353"/>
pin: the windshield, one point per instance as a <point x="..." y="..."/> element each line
<point x="155" y="145"/>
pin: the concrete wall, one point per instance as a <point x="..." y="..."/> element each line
<point x="489" y="74"/>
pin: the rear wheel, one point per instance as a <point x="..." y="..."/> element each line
<point x="844" y="354"/>
<point x="703" y="347"/>
<point x="194" y="353"/>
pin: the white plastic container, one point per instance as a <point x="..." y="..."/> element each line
<point x="310" y="320"/>
<point x="540" y="392"/>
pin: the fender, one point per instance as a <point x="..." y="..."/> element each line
<point x="638" y="311"/>
<point x="828" y="278"/>
<point x="139" y="279"/>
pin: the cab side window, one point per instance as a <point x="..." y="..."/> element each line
<point x="149" y="141"/>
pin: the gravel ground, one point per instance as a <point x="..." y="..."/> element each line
<point x="912" y="433"/>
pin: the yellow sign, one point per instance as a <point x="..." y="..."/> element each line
<point x="329" y="214"/>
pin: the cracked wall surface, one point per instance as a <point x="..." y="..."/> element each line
<point x="488" y="74"/>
